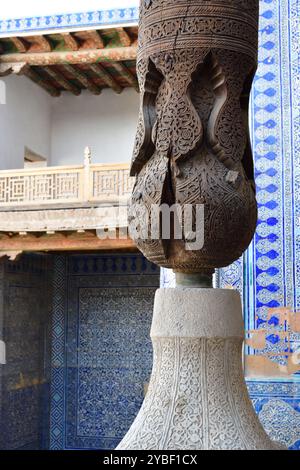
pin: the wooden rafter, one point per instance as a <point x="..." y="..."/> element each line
<point x="83" y="79"/>
<point x="62" y="81"/>
<point x="126" y="74"/>
<point x="124" y="37"/>
<point x="70" y="41"/>
<point x="106" y="77"/>
<point x="74" y="57"/>
<point x="41" y="44"/>
<point x="20" y="44"/>
<point x="35" y="77"/>
<point x="94" y="41"/>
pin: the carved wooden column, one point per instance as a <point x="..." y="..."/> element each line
<point x="196" y="63"/>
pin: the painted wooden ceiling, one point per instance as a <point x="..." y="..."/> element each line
<point x="83" y="60"/>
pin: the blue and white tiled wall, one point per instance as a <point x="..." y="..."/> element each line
<point x="268" y="276"/>
<point x="24" y="391"/>
<point x="101" y="349"/>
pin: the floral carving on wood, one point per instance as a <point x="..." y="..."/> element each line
<point x="196" y="63"/>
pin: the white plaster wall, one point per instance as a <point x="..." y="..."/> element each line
<point x="106" y="123"/>
<point x="60" y="128"/>
<point x="25" y="120"/>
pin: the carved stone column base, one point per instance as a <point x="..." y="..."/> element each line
<point x="197" y="397"/>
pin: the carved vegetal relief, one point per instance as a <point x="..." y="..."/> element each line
<point x="196" y="62"/>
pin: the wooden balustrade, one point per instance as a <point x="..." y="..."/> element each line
<point x="65" y="185"/>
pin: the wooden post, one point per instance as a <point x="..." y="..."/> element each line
<point x="87" y="188"/>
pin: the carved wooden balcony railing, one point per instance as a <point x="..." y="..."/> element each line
<point x="67" y="186"/>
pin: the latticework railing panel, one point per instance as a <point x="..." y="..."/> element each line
<point x="51" y="186"/>
<point x="59" y="185"/>
<point x="111" y="182"/>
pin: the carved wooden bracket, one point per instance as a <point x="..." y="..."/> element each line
<point x="12" y="68"/>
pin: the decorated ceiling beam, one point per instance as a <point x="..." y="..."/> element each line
<point x="94" y="41"/>
<point x="106" y="77"/>
<point x="20" y="44"/>
<point x="127" y="75"/>
<point x="62" y="81"/>
<point x="75" y="57"/>
<point x="42" y="44"/>
<point x="124" y="37"/>
<point x="70" y="41"/>
<point x="83" y="79"/>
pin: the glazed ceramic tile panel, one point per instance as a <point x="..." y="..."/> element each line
<point x="24" y="411"/>
<point x="102" y="354"/>
<point x="268" y="276"/>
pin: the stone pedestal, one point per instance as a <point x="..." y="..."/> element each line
<point x="197" y="397"/>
